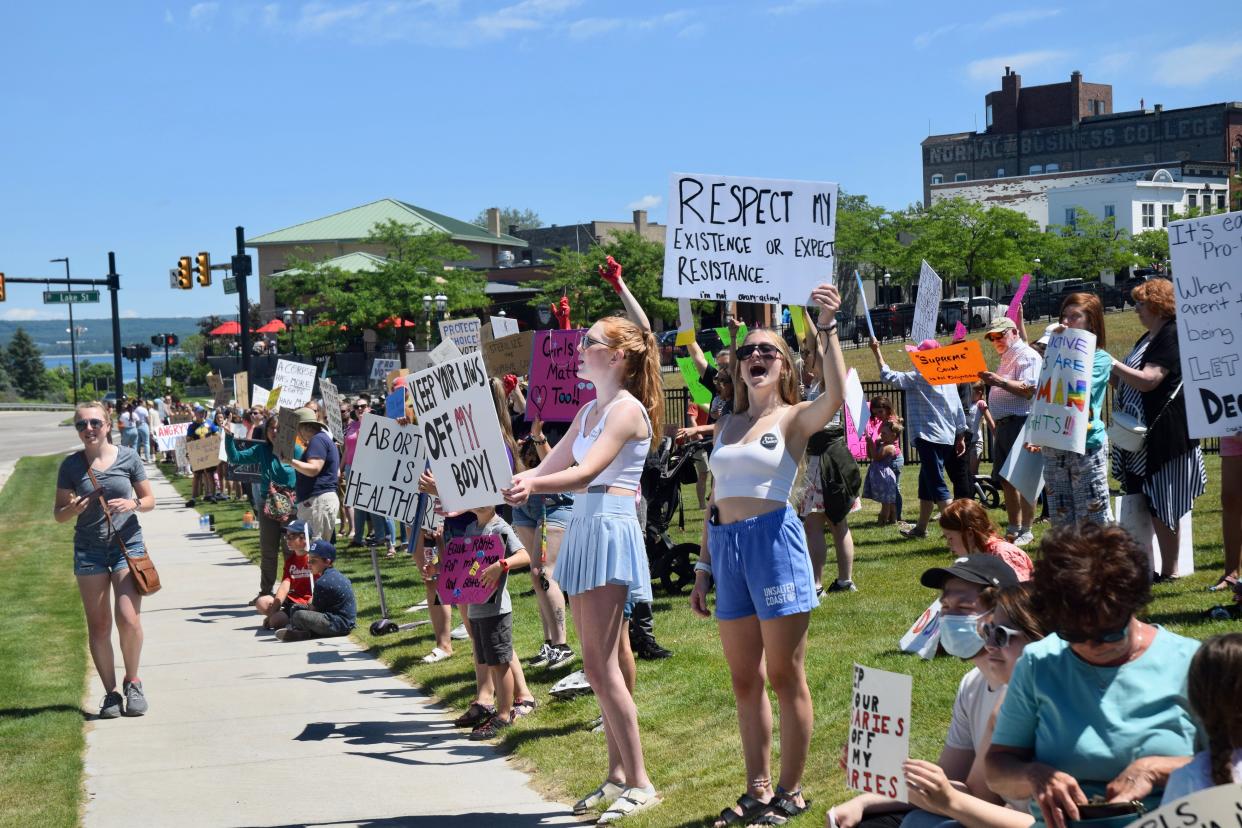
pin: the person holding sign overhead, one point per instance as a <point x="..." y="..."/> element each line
<point x="756" y="552"/>
<point x="603" y="562"/>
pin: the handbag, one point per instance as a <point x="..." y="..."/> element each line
<point x="146" y="577"/>
<point x="280" y="504"/>
<point x="1127" y="433"/>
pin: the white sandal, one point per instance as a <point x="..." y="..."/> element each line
<point x="631" y="801"/>
<point x="435" y="656"/>
<point x="606" y="791"/>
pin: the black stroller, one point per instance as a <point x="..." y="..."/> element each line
<point x="665" y="473"/>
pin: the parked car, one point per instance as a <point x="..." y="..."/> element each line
<point x="708" y="340"/>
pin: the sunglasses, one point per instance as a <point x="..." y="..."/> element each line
<point x="83" y="425"/>
<point x="765" y="350"/>
<point x="587" y="341"/>
<point x="994" y="337"/>
<point x="1107" y="638"/>
<point x="998" y="636"/>
<point x="361" y="407"/>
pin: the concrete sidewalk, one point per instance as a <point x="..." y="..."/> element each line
<point x="246" y="730"/>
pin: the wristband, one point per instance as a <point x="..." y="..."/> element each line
<point x="504" y="565"/>
<point x="827" y="328"/>
<point x="539" y="441"/>
<point x="701" y="566"/>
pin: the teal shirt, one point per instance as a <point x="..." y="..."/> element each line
<point x="1100" y="372"/>
<point x="1091" y="722"/>
<point x="270" y="467"/>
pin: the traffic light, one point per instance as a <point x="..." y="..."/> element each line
<point x="1" y="287"/>
<point x="127" y="352"/>
<point x="144" y="351"/>
<point x="203" y="269"/>
<point x="185" y="279"/>
<point x="157" y="340"/>
<point x="171" y="340"/>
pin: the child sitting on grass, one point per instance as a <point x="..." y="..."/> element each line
<point x="296" y="587"/>
<point x="882" y="480"/>
<point x="332" y="610"/>
<point x="969" y="531"/>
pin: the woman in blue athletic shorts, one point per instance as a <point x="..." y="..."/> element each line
<point x="756" y="552"/>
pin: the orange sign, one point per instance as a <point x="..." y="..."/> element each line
<point x="951" y="364"/>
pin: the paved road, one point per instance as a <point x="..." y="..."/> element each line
<point x="31" y="433"/>
<point x="247" y="730"/>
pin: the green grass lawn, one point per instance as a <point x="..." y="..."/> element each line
<point x="685" y="704"/>
<point x="43" y="658"/>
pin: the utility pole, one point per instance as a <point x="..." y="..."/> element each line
<point x="241" y="271"/>
<point x="73" y="333"/>
<point x="114" y="285"/>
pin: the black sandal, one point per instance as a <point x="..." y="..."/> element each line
<point x="751" y="809"/>
<point x="783" y="807"/>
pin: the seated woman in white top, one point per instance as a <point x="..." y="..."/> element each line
<point x="603" y="560"/>
<point x="756" y="551"/>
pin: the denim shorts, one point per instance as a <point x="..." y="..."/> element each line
<point x="761" y="566"/>
<point x="552" y="509"/>
<point x="101" y="557"/>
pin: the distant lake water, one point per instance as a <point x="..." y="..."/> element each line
<point x="129" y="370"/>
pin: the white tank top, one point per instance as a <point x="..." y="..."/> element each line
<point x="626" y="469"/>
<point x="761" y="468"/>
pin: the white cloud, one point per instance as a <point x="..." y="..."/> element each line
<point x="202" y="14"/>
<point x="989" y="69"/>
<point x="593" y="26"/>
<point x="692" y="31"/>
<point x="1111" y="64"/>
<point x="521" y="16"/>
<point x="795" y="6"/>
<point x="1019" y="17"/>
<point x="1195" y="63"/>
<point x="130" y="314"/>
<point x="26" y="314"/>
<point x="168" y="16"/>
<point x="589" y="27"/>
<point x="647" y="202"/>
<point x="271" y="14"/>
<point x="924" y="39"/>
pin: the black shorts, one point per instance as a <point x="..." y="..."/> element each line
<point x="493" y="639"/>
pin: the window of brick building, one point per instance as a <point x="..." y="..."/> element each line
<point x="1053" y="167"/>
<point x="937" y="179"/>
<point x="1220" y="200"/>
<point x="988" y="116"/>
<point x="959" y="177"/>
<point x="1192" y="199"/>
<point x="1097" y="107"/>
<point x="1110" y="211"/>
<point x="1071" y="217"/>
<point x="1035" y="169"/>
<point x="1149" y="215"/>
<point x="1000" y="172"/>
<point x="1166" y="214"/>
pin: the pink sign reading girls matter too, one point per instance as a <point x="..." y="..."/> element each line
<point x="556" y="393"/>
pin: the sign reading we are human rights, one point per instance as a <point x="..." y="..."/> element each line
<point x="749" y="239"/>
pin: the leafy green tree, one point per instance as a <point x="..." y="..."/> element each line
<point x="867" y="238"/>
<point x="509" y="216"/>
<point x="24" y="363"/>
<point x="1150" y="248"/>
<point x="1086" y="248"/>
<point x="969" y="243"/>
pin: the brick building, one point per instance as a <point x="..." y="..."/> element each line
<point x="582" y="236"/>
<point x="1071" y="126"/>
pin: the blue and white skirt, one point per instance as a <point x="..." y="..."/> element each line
<point x="604" y="545"/>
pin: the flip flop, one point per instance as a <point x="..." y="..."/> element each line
<point x="631" y="801"/>
<point x="607" y="790"/>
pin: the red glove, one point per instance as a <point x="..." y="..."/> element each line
<point x="561" y="313"/>
<point x="510" y="382"/>
<point x="611" y="273"/>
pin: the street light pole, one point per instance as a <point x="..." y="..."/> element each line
<point x="73" y="334"/>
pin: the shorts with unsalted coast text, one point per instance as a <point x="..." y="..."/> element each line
<point x="100" y="557"/>
<point x="761" y="566"/>
<point x="493" y="639"/>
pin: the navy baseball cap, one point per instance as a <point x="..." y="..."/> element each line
<point x="298" y="527"/>
<point x="985" y="570"/>
<point x="322" y="549"/>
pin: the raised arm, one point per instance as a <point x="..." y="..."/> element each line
<point x="610" y="271"/>
<point x="624" y="423"/>
<point x="811" y="417"/>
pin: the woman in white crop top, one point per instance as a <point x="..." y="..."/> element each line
<point x="603" y="560"/>
<point x="756" y="552"/>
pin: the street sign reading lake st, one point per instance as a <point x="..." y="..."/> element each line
<point x="66" y="297"/>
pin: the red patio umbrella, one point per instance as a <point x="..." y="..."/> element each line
<point x="226" y="329"/>
<point x="397" y="322"/>
<point x="275" y="326"/>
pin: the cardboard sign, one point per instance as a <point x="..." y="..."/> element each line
<point x="392" y="377"/>
<point x="380" y="368"/>
<point x="332" y="409"/>
<point x="296" y="381"/>
<point x="1015" y="305"/>
<point x="1059" y="409"/>
<point x="446" y="351"/>
<point x="215" y="382"/>
<point x="463" y="332"/>
<point x="273" y="399"/>
<point x="927" y="305"/>
<point x="241" y="389"/>
<point x="700" y="393"/>
<point x="1207" y="808"/>
<point x="555" y="393"/>
<point x="260" y="395"/>
<point x="510" y="355"/>
<point x="923" y="637"/>
<point x="416" y="361"/>
<point x="950" y="364"/>
<point x="749" y="239"/>
<point x="183" y="457"/>
<point x="1024" y="469"/>
<point x="383" y="478"/>
<point x="463" y="563"/>
<point x="879" y="740"/>
<point x="503" y="326"/>
<point x="245" y="472"/>
<point x="862" y="297"/>
<point x="204" y="453"/>
<point x="1134" y="517"/>
<point x="461" y="433"/>
<point x="1207" y="278"/>
<point x="165" y="436"/>
<point x="286" y="434"/>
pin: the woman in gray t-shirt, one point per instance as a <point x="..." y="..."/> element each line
<point x="98" y="562"/>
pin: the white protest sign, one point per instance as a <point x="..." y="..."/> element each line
<point x="503" y="326"/>
<point x="446" y="351"/>
<point x="241" y="389"/>
<point x="296" y="382"/>
<point x="238" y="430"/>
<point x="1134" y="516"/>
<point x="204" y="453"/>
<point x="183" y="457"/>
<point x="166" y="435"/>
<point x="381" y="367"/>
<point x="879" y="740"/>
<point x="854" y="401"/>
<point x="685" y="322"/>
<point x="1059" y="417"/>
<point x="749" y="239"/>
<point x="927" y="305"/>
<point x="923" y="637"/>
<point x="383" y="478"/>
<point x="1024" y="469"/>
<point x="463" y="332"/>
<point x="1206" y="808"/>
<point x="416" y="361"/>
<point x="461" y="433"/>
<point x="260" y="395"/>
<point x="286" y="440"/>
<point x="332" y="409"/>
<point x="1206" y="254"/>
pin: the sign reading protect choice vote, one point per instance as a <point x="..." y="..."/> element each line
<point x="555" y="393"/>
<point x="879" y="739"/>
<point x="461" y="433"/>
<point x="749" y="239"/>
<point x="389" y="458"/>
<point x="1059" y="417"/>
<point x="1207" y="280"/>
<point x="465" y="333"/>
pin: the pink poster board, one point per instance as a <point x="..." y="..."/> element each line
<point x="555" y="392"/>
<point x="959" y="332"/>
<point x="1015" y="307"/>
<point x="463" y="563"/>
<point x="857" y="445"/>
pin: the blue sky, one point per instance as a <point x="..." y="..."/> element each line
<point x="153" y="129"/>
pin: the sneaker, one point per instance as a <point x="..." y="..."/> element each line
<point x="489" y="729"/>
<point x="135" y="699"/>
<point x="652" y="651"/>
<point x="290" y="634"/>
<point x="544" y="655"/>
<point x="913" y="532"/>
<point x="189" y="504"/>
<point x="1024" y="537"/>
<point x="111" y="707"/>
<point x="597" y="725"/>
<point x="560" y="656"/>
<point x="842" y="586"/>
<point x="476" y="714"/>
<point x="459" y="633"/>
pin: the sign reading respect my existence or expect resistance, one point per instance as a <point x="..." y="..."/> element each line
<point x="749" y="239"/>
<point x="879" y="740"/>
<point x="1207" y="281"/>
<point x="555" y="392"/>
<point x="1059" y="410"/>
<point x="383" y="478"/>
<point x="950" y="364"/>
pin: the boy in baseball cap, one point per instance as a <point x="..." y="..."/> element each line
<point x="297" y="585"/>
<point x="332" y="610"/>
